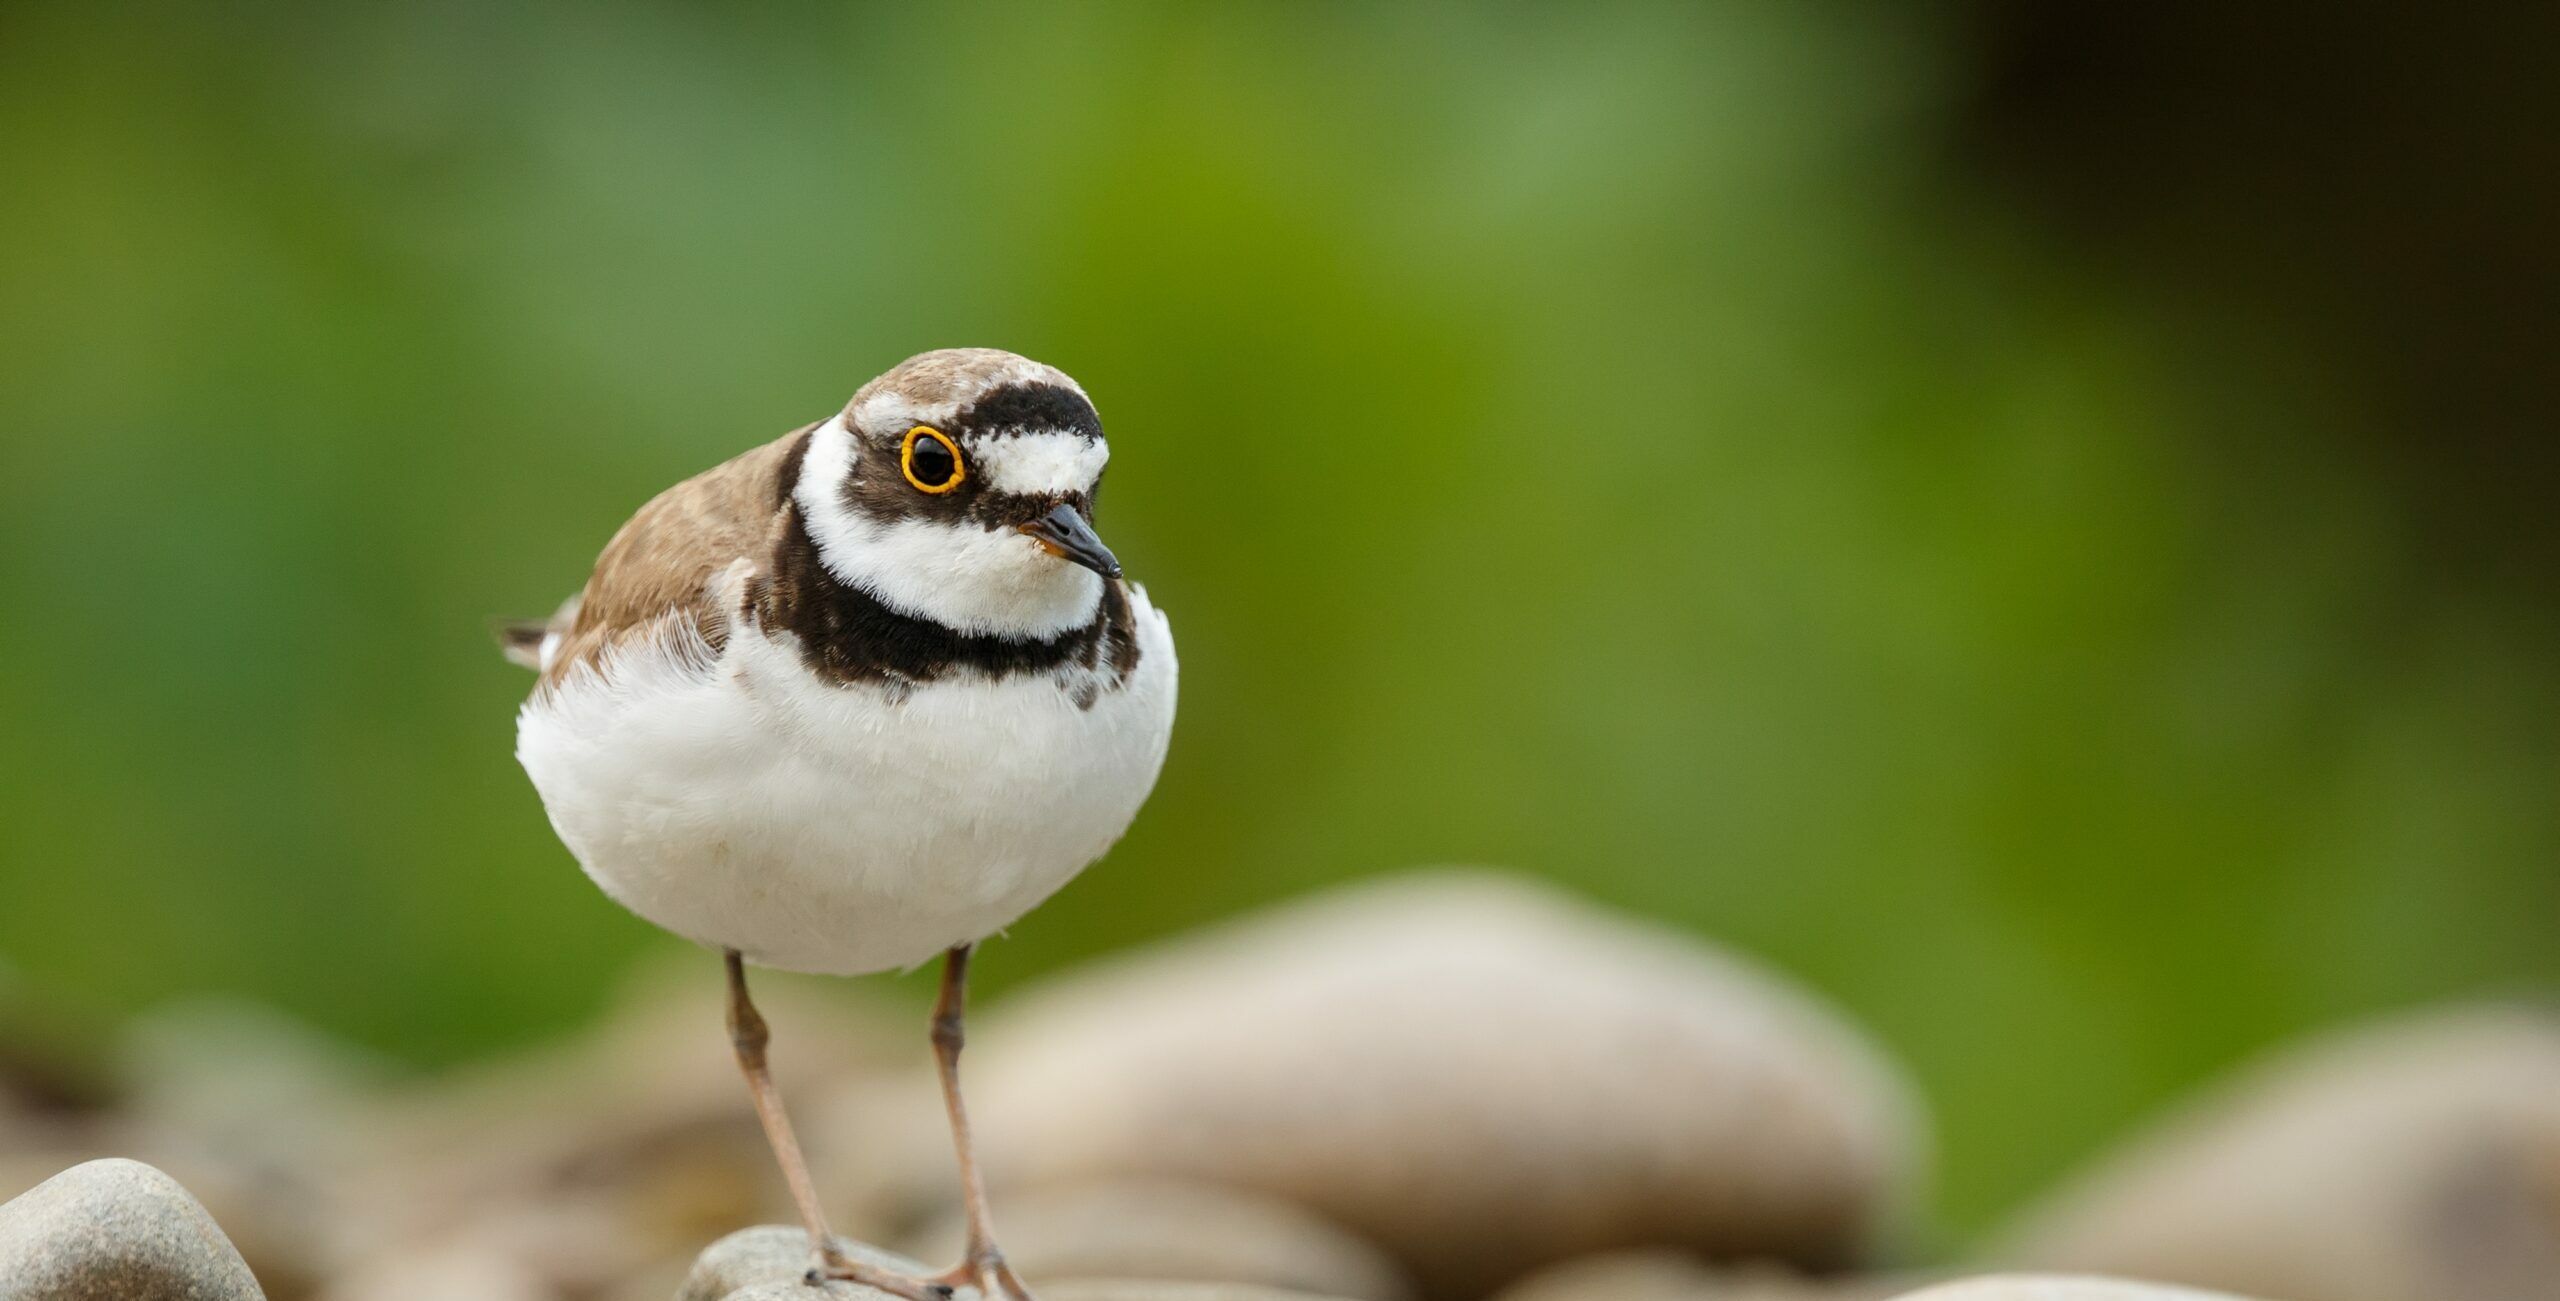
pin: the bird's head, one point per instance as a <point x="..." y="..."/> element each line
<point x="958" y="488"/>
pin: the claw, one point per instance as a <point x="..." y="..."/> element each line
<point x="833" y="1264"/>
<point x="986" y="1270"/>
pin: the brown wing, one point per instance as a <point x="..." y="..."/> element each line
<point x="659" y="568"/>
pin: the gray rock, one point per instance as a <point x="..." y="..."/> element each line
<point x="2056" y="1287"/>
<point x="116" y="1230"/>
<point x="2415" y="1161"/>
<point x="1171" y="1230"/>
<point x="1672" y="1276"/>
<point x="772" y="1261"/>
<point x="1476" y="1073"/>
<point x="1086" y="1289"/>
<point x="1141" y="1289"/>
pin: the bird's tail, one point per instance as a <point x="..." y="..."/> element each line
<point x="532" y="642"/>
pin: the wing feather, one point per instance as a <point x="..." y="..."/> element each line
<point x="662" y="566"/>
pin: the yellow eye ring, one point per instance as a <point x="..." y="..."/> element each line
<point x="907" y="461"/>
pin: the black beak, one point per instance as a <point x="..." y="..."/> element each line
<point x="1064" y="534"/>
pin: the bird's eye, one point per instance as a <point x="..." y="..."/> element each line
<point x="931" y="460"/>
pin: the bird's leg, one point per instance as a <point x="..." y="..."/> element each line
<point x="980" y="1263"/>
<point x="748" y="1036"/>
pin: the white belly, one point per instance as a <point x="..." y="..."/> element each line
<point x="743" y="803"/>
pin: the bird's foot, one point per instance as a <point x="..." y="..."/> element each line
<point x="986" y="1270"/>
<point x="829" y="1262"/>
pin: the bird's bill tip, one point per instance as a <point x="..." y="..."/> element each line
<point x="1063" y="533"/>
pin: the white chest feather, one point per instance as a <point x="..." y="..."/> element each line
<point x="742" y="802"/>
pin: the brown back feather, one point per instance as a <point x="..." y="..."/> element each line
<point x="660" y="566"/>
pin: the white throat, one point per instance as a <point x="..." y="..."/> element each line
<point x="985" y="582"/>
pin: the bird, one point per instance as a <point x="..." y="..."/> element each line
<point x="857" y="698"/>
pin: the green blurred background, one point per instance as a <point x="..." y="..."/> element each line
<point x="2035" y="521"/>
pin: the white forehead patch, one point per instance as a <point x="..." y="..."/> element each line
<point x="1052" y="461"/>
<point x="889" y="410"/>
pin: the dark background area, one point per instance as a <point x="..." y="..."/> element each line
<point x="2376" y="177"/>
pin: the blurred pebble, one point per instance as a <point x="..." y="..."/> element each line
<point x="796" y="1290"/>
<point x="1143" y="1289"/>
<point x="2055" y="1287"/>
<point x="1674" y="1276"/>
<point x="609" y="1157"/>
<point x="1165" y="1229"/>
<point x="771" y="1262"/>
<point x="593" y="1166"/>
<point x="261" y="1117"/>
<point x="447" y="1274"/>
<point x="2417" y="1161"/>
<point x="116" y="1230"/>
<point x="774" y="1259"/>
<point x="1476" y="1073"/>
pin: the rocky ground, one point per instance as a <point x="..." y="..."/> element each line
<point x="1443" y="1087"/>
